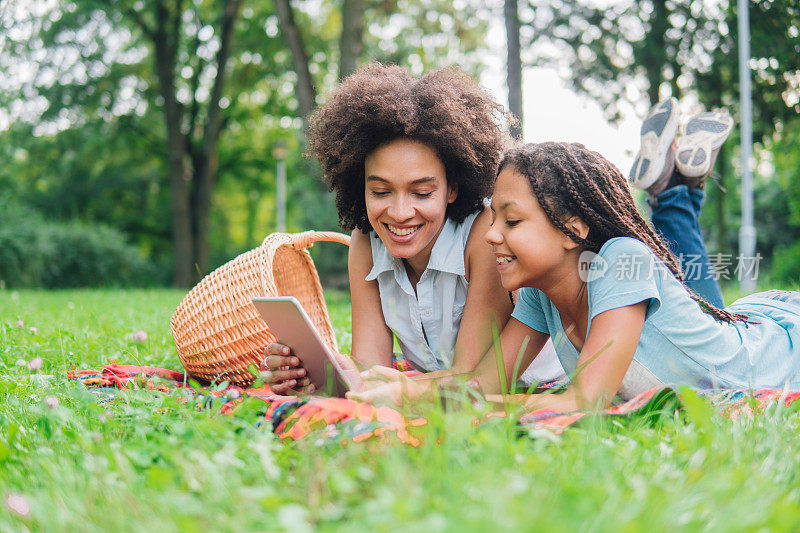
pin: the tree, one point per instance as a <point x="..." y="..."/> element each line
<point x="195" y="41"/>
<point x="682" y="47"/>
<point x="191" y="96"/>
<point x="513" y="65"/>
<point x="615" y="53"/>
<point x="125" y="60"/>
<point x="351" y="40"/>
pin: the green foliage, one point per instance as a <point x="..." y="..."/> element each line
<point x="611" y="49"/>
<point x="88" y="137"/>
<point x="39" y="253"/>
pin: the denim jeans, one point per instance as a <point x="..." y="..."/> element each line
<point x="677" y="218"/>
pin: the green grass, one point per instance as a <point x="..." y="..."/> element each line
<point x="152" y="463"/>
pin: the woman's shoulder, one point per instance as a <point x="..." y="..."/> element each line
<point x="360" y="241"/>
<point x="360" y="256"/>
<point x="475" y="227"/>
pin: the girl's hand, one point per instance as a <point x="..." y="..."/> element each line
<point x="282" y="371"/>
<point x="350" y="372"/>
<point x="384" y="385"/>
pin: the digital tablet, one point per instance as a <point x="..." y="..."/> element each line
<point x="292" y="326"/>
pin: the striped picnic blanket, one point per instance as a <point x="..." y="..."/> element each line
<point x="296" y="417"/>
<point x="291" y="416"/>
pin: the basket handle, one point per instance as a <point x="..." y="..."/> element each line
<point x="306" y="239"/>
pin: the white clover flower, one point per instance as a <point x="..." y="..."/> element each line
<point x="18" y="504"/>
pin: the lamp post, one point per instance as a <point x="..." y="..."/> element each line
<point x="279" y="152"/>
<point x="748" y="266"/>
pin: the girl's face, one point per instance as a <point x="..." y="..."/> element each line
<point x="528" y="248"/>
<point x="406" y="195"/>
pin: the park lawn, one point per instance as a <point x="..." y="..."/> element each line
<point x="152" y="463"/>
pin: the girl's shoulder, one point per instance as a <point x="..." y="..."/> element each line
<point x="621" y="254"/>
<point x="617" y="246"/>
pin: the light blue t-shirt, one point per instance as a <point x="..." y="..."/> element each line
<point x="679" y="344"/>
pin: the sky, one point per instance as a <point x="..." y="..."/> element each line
<point x="554" y="112"/>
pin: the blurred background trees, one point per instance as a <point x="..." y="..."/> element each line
<point x="154" y="123"/>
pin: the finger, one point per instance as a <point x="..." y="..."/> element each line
<point x="365" y="396"/>
<point x="275" y="362"/>
<point x="278" y="376"/>
<point x="347" y="363"/>
<point x="277" y="348"/>
<point x="305" y="390"/>
<point x="281" y="388"/>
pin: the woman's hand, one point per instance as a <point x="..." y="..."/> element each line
<point x="282" y="371"/>
<point x="384" y="385"/>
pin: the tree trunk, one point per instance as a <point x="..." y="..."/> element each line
<point x="351" y="39"/>
<point x="514" y="66"/>
<point x="654" y="56"/>
<point x="165" y="45"/>
<point x="206" y="169"/>
<point x="306" y="94"/>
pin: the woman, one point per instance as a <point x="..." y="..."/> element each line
<point x="411" y="161"/>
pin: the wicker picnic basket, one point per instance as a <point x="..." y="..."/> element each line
<point x="217" y="330"/>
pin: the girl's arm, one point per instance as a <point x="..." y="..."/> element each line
<point x="372" y="338"/>
<point x="517" y="341"/>
<point x="602" y="364"/>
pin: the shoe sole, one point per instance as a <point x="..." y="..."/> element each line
<point x="657" y="133"/>
<point x="704" y="134"/>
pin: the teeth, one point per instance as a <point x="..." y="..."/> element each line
<point x="402" y="231"/>
<point x="505" y="259"/>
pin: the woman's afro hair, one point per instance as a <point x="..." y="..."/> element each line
<point x="444" y="109"/>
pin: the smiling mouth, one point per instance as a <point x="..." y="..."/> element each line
<point x="402" y="232"/>
<point x="504" y="259"/>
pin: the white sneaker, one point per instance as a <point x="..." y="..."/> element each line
<point x="654" y="162"/>
<point x="698" y="147"/>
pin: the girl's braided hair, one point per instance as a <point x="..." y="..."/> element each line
<point x="569" y="180"/>
<point x="445" y="109"/>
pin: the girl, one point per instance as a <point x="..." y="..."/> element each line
<point x="599" y="281"/>
<point x="411" y="162"/>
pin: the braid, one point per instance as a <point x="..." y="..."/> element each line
<point x="569" y="180"/>
<point x="720" y="315"/>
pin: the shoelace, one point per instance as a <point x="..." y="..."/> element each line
<point x="717" y="177"/>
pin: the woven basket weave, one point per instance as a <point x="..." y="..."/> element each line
<point x="218" y="332"/>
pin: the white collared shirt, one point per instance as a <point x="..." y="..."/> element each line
<point x="426" y="322"/>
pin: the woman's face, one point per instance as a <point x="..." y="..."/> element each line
<point x="406" y="195"/>
<point x="526" y="245"/>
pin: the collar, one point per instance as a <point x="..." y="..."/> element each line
<point x="447" y="254"/>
